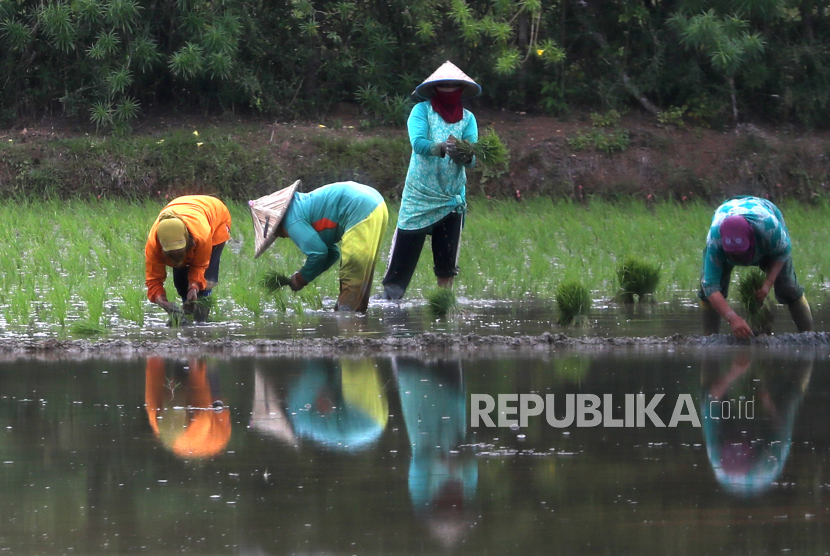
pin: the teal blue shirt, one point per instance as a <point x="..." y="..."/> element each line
<point x="316" y="221"/>
<point x="434" y="186"/>
<point x="771" y="237"/>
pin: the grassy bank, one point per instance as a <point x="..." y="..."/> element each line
<point x="82" y="262"/>
<point x="240" y="160"/>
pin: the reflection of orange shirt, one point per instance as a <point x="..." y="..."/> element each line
<point x="207" y="431"/>
<point x="208" y="222"/>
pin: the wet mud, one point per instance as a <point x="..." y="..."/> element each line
<point x="433" y="342"/>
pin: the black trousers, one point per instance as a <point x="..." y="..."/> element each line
<point x="406" y="250"/>
<point x="180" y="278"/>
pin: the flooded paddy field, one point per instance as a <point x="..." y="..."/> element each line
<point x="356" y="454"/>
<point x="412" y="318"/>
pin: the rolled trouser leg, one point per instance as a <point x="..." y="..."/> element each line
<point x="711" y="318"/>
<point x="802" y="316"/>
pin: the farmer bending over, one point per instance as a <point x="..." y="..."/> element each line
<point x="188" y="235"/>
<point x="348" y="213"/>
<point x="748" y="231"/>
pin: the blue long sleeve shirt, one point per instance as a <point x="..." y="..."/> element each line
<point x="316" y="221"/>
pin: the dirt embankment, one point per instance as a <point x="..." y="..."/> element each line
<point x="557" y="157"/>
<point x="50" y="349"/>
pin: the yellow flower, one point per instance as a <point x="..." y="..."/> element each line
<point x="540" y="52"/>
<point x="199" y="144"/>
<point x="196" y="133"/>
<point x="160" y="142"/>
<point x="320" y="125"/>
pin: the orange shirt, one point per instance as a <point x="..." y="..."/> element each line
<point x="207" y="431"/>
<point x="208" y="223"/>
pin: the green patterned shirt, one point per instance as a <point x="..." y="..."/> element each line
<point x="771" y="237"/>
<point x="434" y="186"/>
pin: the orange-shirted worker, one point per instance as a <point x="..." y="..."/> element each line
<point x="200" y="429"/>
<point x="188" y="235"/>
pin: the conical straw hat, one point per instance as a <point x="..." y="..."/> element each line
<point x="267" y="213"/>
<point x="448" y="72"/>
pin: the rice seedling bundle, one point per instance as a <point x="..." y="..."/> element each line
<point x="489" y="150"/>
<point x="442" y="302"/>
<point x="759" y="315"/>
<point x="573" y="301"/>
<point x="272" y="281"/>
<point x="637" y="277"/>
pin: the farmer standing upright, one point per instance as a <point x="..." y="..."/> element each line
<point x="434" y="195"/>
<point x="748" y="231"/>
<point x="349" y="213"/>
<point x="188" y="235"/>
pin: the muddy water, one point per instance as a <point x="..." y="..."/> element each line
<point x="354" y="455"/>
<point x="477" y="317"/>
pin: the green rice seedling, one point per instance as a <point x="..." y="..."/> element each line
<point x="311" y="297"/>
<point x="489" y="151"/>
<point x="442" y="302"/>
<point x="87" y="328"/>
<point x="280" y="298"/>
<point x="573" y="301"/>
<point x="94" y="294"/>
<point x="759" y="315"/>
<point x="58" y="298"/>
<point x="247" y="297"/>
<point x="19" y="308"/>
<point x="133" y="307"/>
<point x="637" y="277"/>
<point x="272" y="281"/>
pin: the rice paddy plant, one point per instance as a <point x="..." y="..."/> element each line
<point x="442" y="302"/>
<point x="57" y="296"/>
<point x="573" y="301"/>
<point x="247" y="297"/>
<point x="759" y="315"/>
<point x="87" y="327"/>
<point x="19" y="309"/>
<point x="272" y="281"/>
<point x="280" y="298"/>
<point x="637" y="277"/>
<point x="94" y="295"/>
<point x="133" y="307"/>
<point x="310" y="296"/>
<point x="489" y="151"/>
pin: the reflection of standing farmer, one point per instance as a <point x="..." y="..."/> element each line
<point x="348" y="213"/>
<point x="748" y="231"/>
<point x="434" y="196"/>
<point x="188" y="235"/>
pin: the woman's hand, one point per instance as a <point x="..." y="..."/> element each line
<point x="438" y="149"/>
<point x="297" y="282"/>
<point x="739" y="326"/>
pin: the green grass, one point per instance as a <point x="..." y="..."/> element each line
<point x="63" y="262"/>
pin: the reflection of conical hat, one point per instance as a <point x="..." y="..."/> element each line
<point x="267" y="213"/>
<point x="448" y="72"/>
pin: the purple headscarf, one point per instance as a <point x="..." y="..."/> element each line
<point x="737" y="238"/>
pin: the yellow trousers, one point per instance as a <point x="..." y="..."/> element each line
<point x="359" y="253"/>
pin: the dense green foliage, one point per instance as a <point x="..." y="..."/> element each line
<point x="712" y="61"/>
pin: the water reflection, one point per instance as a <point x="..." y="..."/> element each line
<point x="86" y="470"/>
<point x="442" y="479"/>
<point x="341" y="404"/>
<point x="748" y="414"/>
<point x="184" y="408"/>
